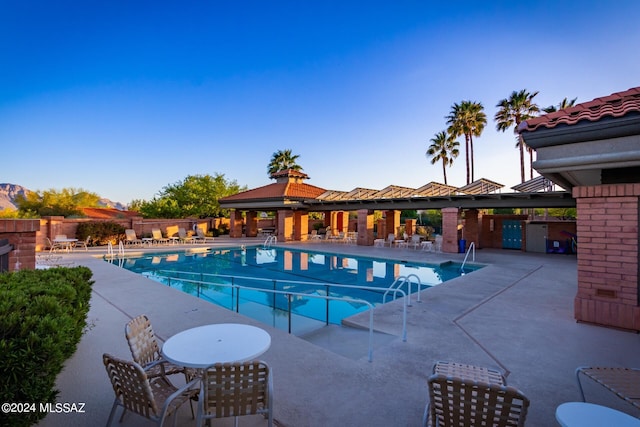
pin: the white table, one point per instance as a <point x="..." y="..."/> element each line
<point x="204" y="346"/>
<point x="66" y="244"/>
<point x="582" y="414"/>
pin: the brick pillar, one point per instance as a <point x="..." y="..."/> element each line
<point x="235" y="224"/>
<point x="608" y="232"/>
<point x="450" y="230"/>
<point x="301" y="225"/>
<point x="382" y="229"/>
<point x="252" y="224"/>
<point x="392" y="222"/>
<point x="21" y="234"/>
<point x="471" y="227"/>
<point x="285" y="225"/>
<point x="365" y="227"/>
<point x="409" y="226"/>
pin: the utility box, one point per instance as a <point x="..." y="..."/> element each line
<point x="537" y="234"/>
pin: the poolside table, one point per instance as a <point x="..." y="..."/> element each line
<point x="581" y="414"/>
<point x="65" y="243"/>
<point x="204" y="346"/>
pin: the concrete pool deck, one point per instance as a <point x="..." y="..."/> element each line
<point x="516" y="315"/>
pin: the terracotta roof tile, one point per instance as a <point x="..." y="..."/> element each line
<point x="278" y="190"/>
<point x="615" y="105"/>
<point x="290" y="172"/>
<point x="108" y="213"/>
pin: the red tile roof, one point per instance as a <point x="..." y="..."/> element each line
<point x="277" y="190"/>
<point x="108" y="213"/>
<point x="615" y="105"/>
<point x="291" y="173"/>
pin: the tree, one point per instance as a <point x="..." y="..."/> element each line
<point x="283" y="160"/>
<point x="513" y="111"/>
<point x="468" y="119"/>
<point x="565" y="103"/>
<point x="195" y="196"/>
<point x="443" y="148"/>
<point x="66" y="202"/>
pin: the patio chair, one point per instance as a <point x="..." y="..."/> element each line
<point x="236" y="389"/>
<point x="416" y="240"/>
<point x="182" y="235"/>
<point x="82" y="244"/>
<point x="462" y="402"/>
<point x="134" y="392"/>
<point x="200" y="237"/>
<point x="467" y="372"/>
<point x="623" y="382"/>
<point x="157" y="237"/>
<point x="131" y="238"/>
<point x="390" y="238"/>
<point x="146" y="352"/>
<point x="53" y="246"/>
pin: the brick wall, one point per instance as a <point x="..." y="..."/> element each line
<point x="21" y="234"/>
<point x="607" y="228"/>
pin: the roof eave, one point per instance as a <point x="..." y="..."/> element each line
<point x="605" y="128"/>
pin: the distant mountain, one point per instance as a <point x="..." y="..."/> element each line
<point x="8" y="193"/>
<point x="106" y="203"/>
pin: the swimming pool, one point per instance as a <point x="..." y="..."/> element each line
<point x="208" y="274"/>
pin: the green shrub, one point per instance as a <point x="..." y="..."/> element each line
<point x="101" y="232"/>
<point x="42" y="317"/>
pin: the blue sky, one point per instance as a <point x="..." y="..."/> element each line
<point x="123" y="98"/>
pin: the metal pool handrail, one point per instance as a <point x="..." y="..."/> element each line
<point x="318" y="284"/>
<point x="289" y="295"/>
<point x="402" y="280"/>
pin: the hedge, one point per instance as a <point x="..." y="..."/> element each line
<point x="43" y="314"/>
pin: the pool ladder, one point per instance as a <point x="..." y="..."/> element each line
<point x="111" y="253"/>
<point x="472" y="248"/>
<point x="271" y="240"/>
<point x="401" y="280"/>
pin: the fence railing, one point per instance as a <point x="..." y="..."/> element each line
<point x="236" y="290"/>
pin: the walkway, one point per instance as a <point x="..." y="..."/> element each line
<point x="516" y="315"/>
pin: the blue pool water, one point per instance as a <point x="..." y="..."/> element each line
<point x="285" y="270"/>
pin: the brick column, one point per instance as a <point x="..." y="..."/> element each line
<point x="285" y="225"/>
<point x="252" y="224"/>
<point x="301" y="225"/>
<point x="607" y="229"/>
<point x="471" y="227"/>
<point x="21" y="234"/>
<point x="450" y="230"/>
<point x="365" y="227"/>
<point x="409" y="226"/>
<point x="235" y="224"/>
<point x="392" y="222"/>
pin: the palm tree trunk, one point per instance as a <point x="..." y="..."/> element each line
<point x="444" y="171"/>
<point x="521" y="144"/>
<point x="530" y="162"/>
<point x="471" y="146"/>
<point x="466" y="141"/>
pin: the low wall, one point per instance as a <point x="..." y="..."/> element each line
<point x="54" y="225"/>
<point x="21" y="234"/>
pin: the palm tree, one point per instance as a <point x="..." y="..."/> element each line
<point x="282" y="160"/>
<point x="513" y="111"/>
<point x="468" y="119"/>
<point x="565" y="103"/>
<point x="443" y="147"/>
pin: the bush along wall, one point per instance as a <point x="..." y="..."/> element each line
<point x="43" y="314"/>
<point x="101" y="232"/>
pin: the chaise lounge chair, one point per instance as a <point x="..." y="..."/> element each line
<point x="131" y="238"/>
<point x="157" y="237"/>
<point x="200" y="237"/>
